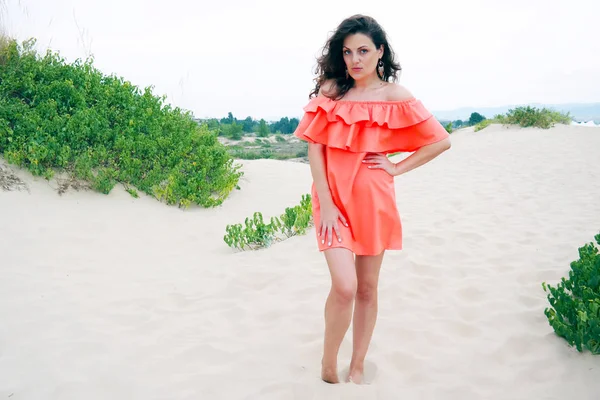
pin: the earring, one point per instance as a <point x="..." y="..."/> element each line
<point x="380" y="68"/>
<point x="346" y="73"/>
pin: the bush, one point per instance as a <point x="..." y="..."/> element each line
<point x="532" y="116"/>
<point x="527" y="117"/>
<point x="255" y="233"/>
<point x="448" y="127"/>
<point x="245" y="154"/>
<point x="302" y="153"/>
<point x="4" y="42"/>
<point x="102" y="129"/>
<point x="575" y="302"/>
<point x="484" y="124"/>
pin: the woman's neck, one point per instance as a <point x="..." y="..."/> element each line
<point x="370" y="82"/>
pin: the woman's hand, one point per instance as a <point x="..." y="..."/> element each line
<point x="380" y="161"/>
<point x="329" y="223"/>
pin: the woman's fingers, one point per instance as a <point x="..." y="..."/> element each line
<point x="343" y="219"/>
<point x="328" y="229"/>
<point x="338" y="234"/>
<point x="376" y="161"/>
<point x="371" y="160"/>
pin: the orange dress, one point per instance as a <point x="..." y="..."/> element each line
<point x="366" y="197"/>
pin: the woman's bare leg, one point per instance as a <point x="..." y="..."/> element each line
<point x="365" y="312"/>
<point x="338" y="308"/>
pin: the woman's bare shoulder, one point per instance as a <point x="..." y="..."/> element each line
<point x="397" y="92"/>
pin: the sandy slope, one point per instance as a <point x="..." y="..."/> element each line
<point x="109" y="297"/>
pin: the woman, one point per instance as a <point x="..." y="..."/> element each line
<point x="356" y="119"/>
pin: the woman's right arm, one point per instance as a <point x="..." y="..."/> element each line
<point x="329" y="212"/>
<point x="316" y="158"/>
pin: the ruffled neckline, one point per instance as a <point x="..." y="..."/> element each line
<point x="393" y="114"/>
<point x="367" y="102"/>
<point x="369" y="125"/>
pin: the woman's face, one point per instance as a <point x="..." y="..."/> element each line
<point x="360" y="55"/>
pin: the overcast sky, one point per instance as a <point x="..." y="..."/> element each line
<point x="256" y="58"/>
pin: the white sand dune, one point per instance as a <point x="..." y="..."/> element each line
<point x="110" y="297"/>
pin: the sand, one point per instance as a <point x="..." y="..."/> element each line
<point x="111" y="297"/>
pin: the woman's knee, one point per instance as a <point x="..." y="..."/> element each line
<point x="345" y="291"/>
<point x="366" y="292"/>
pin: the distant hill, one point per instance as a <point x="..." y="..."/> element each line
<point x="579" y="111"/>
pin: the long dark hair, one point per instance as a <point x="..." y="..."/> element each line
<point x="331" y="63"/>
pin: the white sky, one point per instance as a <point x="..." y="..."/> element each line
<point x="256" y="57"/>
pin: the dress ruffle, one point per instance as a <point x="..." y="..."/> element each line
<point x="369" y="126"/>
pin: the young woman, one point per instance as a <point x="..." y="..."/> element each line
<point x="358" y="116"/>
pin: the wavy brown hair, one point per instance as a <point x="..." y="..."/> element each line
<point x="331" y="63"/>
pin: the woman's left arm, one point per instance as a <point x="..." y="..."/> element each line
<point x="421" y="156"/>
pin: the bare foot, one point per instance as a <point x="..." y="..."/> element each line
<point x="356" y="374"/>
<point x="329" y="374"/>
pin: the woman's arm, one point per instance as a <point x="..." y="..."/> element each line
<point x="421" y="156"/>
<point x="397" y="92"/>
<point x="316" y="158"/>
<point x="329" y="211"/>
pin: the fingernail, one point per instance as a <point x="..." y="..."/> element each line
<point x="322" y="241"/>
<point x="340" y="240"/>
<point x="329" y="243"/>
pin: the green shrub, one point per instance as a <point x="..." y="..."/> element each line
<point x="484" y="124"/>
<point x="532" y="116"/>
<point x="575" y="302"/>
<point x="527" y="117"/>
<point x="104" y="130"/>
<point x="448" y="127"/>
<point x="4" y="42"/>
<point x="296" y="220"/>
<point x="302" y="153"/>
<point x="245" y="154"/>
<point x="255" y="233"/>
<point x="133" y="193"/>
